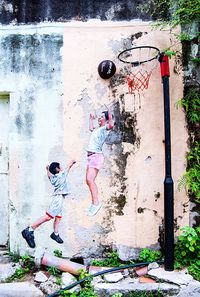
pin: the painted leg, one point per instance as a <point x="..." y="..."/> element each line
<point x="91" y="175"/>
<point x="40" y="221"/>
<point x="56" y="224"/>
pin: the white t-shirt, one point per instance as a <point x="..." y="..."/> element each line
<point x="60" y="183"/>
<point x="97" y="139"/>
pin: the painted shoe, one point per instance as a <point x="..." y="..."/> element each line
<point x="29" y="237"/>
<point x="56" y="238"/>
<point x="93" y="209"/>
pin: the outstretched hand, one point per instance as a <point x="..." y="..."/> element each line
<point x="92" y="117"/>
<point x="71" y="163"/>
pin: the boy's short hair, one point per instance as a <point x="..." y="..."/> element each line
<point x="53" y="166"/>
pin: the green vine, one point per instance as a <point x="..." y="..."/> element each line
<point x="191" y="179"/>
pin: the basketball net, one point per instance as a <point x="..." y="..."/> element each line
<point x="138" y="79"/>
<point x="141" y="61"/>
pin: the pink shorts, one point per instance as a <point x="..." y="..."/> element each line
<point x="95" y="161"/>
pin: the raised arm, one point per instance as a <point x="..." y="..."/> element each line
<point x="48" y="172"/>
<point x="110" y="122"/>
<point x="91" y="122"/>
<point x="70" y="164"/>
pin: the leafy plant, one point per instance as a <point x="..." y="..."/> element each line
<point x="191" y="179"/>
<point x="18" y="274"/>
<point x="170" y="53"/>
<point x="28" y="262"/>
<point x="194" y="270"/>
<point x="53" y="271"/>
<point x="58" y="281"/>
<point x="184" y="36"/>
<point x="187" y="249"/>
<point x="196" y="61"/>
<point x="14" y="257"/>
<point x="112" y="260"/>
<point x="87" y="288"/>
<point x="57" y="253"/>
<point x="147" y="255"/>
<point x="191" y="104"/>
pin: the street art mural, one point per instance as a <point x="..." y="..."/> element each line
<point x="49" y="73"/>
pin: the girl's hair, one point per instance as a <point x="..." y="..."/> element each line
<point x="53" y="166"/>
<point x="106" y="115"/>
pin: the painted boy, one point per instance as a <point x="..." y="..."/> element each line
<point x="59" y="179"/>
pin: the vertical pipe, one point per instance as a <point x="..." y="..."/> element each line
<point x="168" y="181"/>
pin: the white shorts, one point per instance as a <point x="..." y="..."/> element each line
<point x="56" y="206"/>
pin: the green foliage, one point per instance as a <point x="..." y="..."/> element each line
<point x="14" y="257"/>
<point x="113" y="260"/>
<point x="185" y="11"/>
<point x="184" y="37"/>
<point x="194" y="270"/>
<point x="18" y="274"/>
<point x="28" y="262"/>
<point x="147" y="255"/>
<point x="175" y="12"/>
<point x="191" y="179"/>
<point x="57" y="253"/>
<point x="191" y="104"/>
<point x="196" y="61"/>
<point x="53" y="271"/>
<point x="87" y="289"/>
<point x="187" y="249"/>
<point x="169" y="53"/>
<point x="58" y="281"/>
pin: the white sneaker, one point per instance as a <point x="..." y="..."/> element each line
<point x="93" y="209"/>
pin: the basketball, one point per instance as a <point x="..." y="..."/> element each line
<point x="106" y="69"/>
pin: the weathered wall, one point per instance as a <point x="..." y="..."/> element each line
<point x="29" y="11"/>
<point x="51" y="74"/>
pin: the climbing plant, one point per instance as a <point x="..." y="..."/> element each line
<point x="185" y="13"/>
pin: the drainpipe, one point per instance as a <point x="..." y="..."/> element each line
<point x="168" y="181"/>
<point x="42" y="257"/>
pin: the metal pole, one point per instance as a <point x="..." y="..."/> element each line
<point x="168" y="182"/>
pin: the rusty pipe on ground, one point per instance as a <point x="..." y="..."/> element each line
<point x="62" y="264"/>
<point x="46" y="259"/>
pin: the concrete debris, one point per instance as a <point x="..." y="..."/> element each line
<point x="19" y="289"/>
<point x="40" y="277"/>
<point x="7" y="269"/>
<point x="175" y="283"/>
<point x="68" y="279"/>
<point x="113" y="277"/>
<point x="175" y="277"/>
<point x="153" y="265"/>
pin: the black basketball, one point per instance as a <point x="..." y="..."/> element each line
<point x="106" y="69"/>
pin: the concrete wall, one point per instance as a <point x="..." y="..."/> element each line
<point x="50" y="72"/>
<point x="31" y="11"/>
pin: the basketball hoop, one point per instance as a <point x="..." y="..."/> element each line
<point x="140" y="70"/>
